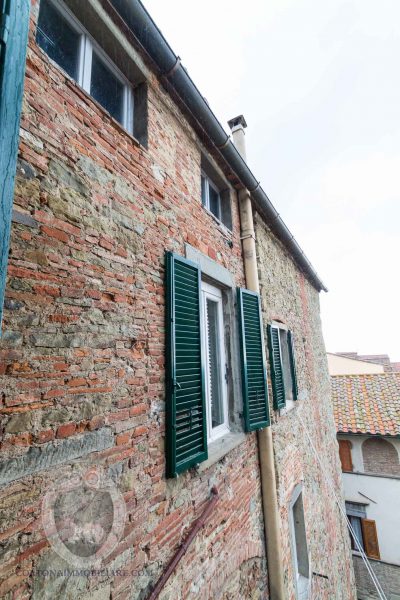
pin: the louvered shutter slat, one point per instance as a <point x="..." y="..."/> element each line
<point x="186" y="441"/>
<point x="255" y="395"/>
<point x="278" y="385"/>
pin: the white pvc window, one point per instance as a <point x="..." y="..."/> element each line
<point x="214" y="351"/>
<point x="210" y="196"/>
<point x="66" y="42"/>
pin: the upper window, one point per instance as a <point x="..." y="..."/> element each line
<point x="215" y="193"/>
<point x="283" y="365"/>
<point x="210" y="196"/>
<point x="66" y="42"/>
<point x="214" y="352"/>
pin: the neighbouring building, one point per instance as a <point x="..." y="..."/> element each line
<point x="133" y="335"/>
<point x="342" y="363"/>
<point x="367" y="414"/>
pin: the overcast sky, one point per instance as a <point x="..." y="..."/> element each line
<point x="319" y="85"/>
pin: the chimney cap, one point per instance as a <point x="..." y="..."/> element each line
<point x="237" y="121"/>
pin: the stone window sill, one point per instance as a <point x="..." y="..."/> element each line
<point x="290" y="404"/>
<point x="218" y="449"/>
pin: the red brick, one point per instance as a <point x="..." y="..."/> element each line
<point x="66" y="430"/>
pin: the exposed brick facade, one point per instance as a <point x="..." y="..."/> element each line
<point x="387" y="574"/>
<point x="381" y="457"/>
<point x="82" y="357"/>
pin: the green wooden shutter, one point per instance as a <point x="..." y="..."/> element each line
<point x="254" y="380"/>
<point x="186" y="408"/>
<point x="278" y="385"/>
<point x="292" y="361"/>
<point x="14" y="22"/>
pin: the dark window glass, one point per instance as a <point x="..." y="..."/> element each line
<point x="357" y="527"/>
<point x="57" y="38"/>
<point x="214" y="202"/>
<point x="203" y="190"/>
<point x="107" y="89"/>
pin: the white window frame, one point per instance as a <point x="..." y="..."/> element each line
<point x="210" y="183"/>
<point x="289" y="402"/>
<point x="302" y="583"/>
<point x="87" y="46"/>
<point x="212" y="293"/>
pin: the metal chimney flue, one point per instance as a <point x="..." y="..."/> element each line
<point x="238" y="125"/>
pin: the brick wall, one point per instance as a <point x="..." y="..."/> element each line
<point x="288" y="297"/>
<point x="381" y="457"/>
<point x="82" y="356"/>
<point x="387" y="574"/>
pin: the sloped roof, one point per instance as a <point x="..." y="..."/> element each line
<point x="368" y="403"/>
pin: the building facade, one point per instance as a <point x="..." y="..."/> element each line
<point x="124" y="384"/>
<point x="367" y="409"/>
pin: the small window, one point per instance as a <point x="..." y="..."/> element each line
<point x="210" y="196"/>
<point x="216" y="392"/>
<point x="283" y="366"/>
<point x="299" y="547"/>
<point x="364" y="530"/>
<point x="66" y="42"/>
<point x="287" y="374"/>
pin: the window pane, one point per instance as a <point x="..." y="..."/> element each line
<point x="287" y="374"/>
<point x="214" y="202"/>
<point x="356" y="525"/>
<point x="203" y="190"/>
<point x="58" y="39"/>
<point x="214" y="351"/>
<point x="107" y="89"/>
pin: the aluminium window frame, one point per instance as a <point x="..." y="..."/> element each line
<point x="206" y="204"/>
<point x="88" y="45"/>
<point x="210" y="292"/>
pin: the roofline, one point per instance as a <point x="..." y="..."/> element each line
<point x="157" y="48"/>
<point x="391" y="435"/>
<point x="369" y="362"/>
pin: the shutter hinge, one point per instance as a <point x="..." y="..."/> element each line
<point x="4" y="27"/>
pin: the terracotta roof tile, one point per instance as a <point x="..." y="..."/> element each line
<point x="367" y="403"/>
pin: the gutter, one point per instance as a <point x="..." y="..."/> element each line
<point x="153" y="42"/>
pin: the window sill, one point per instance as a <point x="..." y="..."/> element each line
<point x="219" y="448"/>
<point x="290" y="404"/>
<point x="303" y="587"/>
<point x="223" y="228"/>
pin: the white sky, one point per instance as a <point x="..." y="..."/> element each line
<point x="319" y="85"/>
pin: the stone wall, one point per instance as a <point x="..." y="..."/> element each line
<point x="82" y="356"/>
<point x="288" y="297"/>
<point x="82" y="361"/>
<point x="387" y="574"/>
